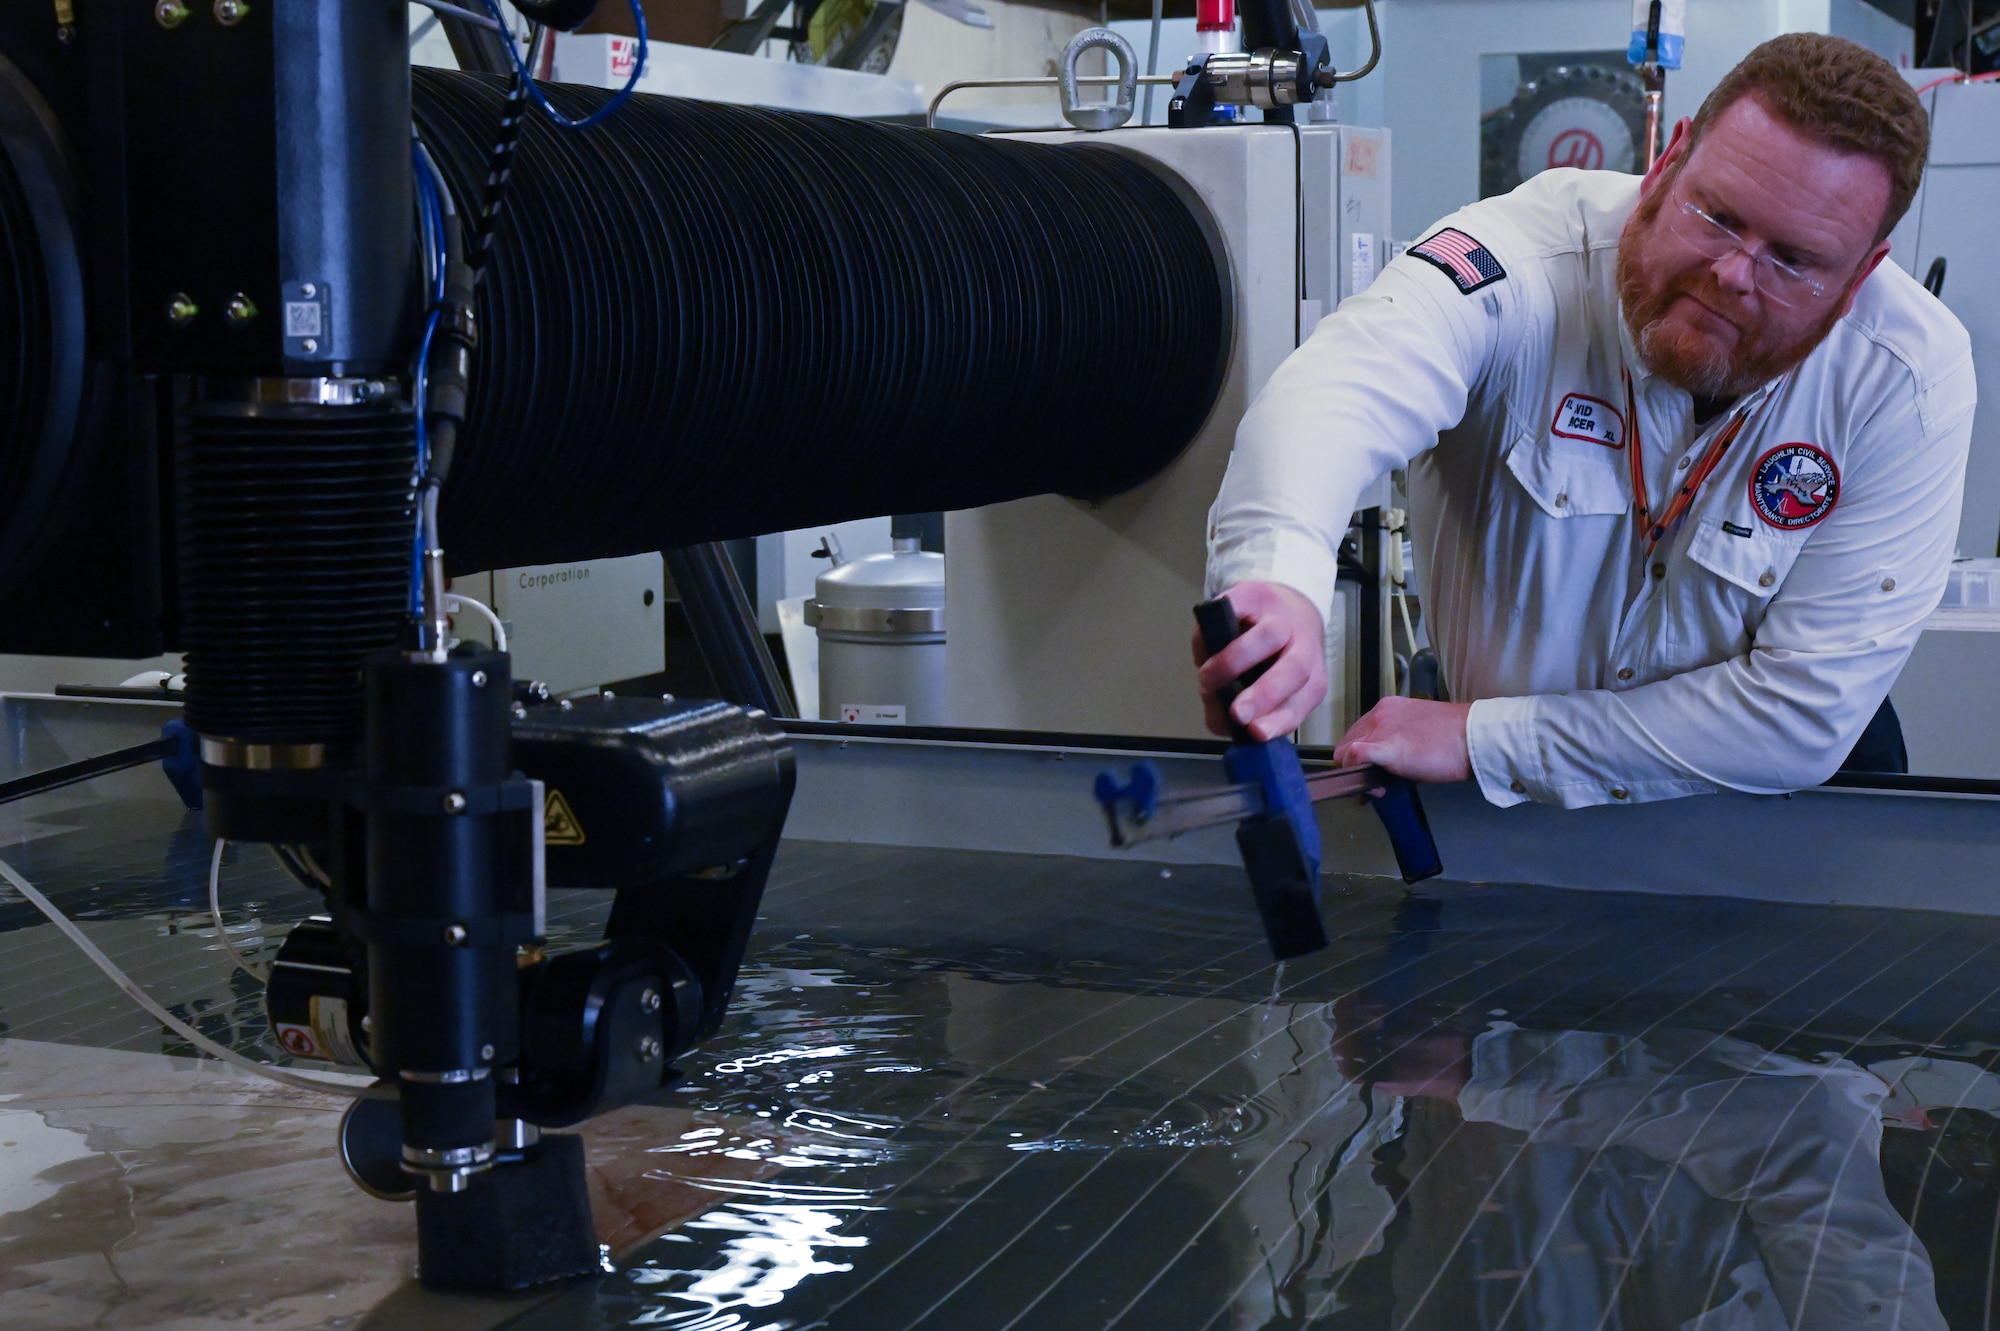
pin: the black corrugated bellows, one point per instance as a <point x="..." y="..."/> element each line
<point x="295" y="527"/>
<point x="42" y="343"/>
<point x="25" y="342"/>
<point x="706" y="321"/>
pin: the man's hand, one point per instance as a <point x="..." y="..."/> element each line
<point x="1280" y="626"/>
<point x="1411" y="737"/>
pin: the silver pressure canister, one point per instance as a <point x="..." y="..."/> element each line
<point x="881" y="638"/>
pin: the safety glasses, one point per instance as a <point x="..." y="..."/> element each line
<point x="1777" y="280"/>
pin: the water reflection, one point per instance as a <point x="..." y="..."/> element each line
<point x="765" y="1249"/>
<point x="1478" y="1110"/>
<point x="1682" y="1179"/>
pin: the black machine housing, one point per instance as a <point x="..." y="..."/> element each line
<point x="180" y="185"/>
<point x="209" y="305"/>
<point x="675" y="805"/>
<point x="212" y="298"/>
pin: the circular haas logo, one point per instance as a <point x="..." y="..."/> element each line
<point x="1578" y="148"/>
<point x="1794" y="485"/>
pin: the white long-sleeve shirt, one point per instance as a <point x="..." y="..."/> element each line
<point x="1795" y="1145"/>
<point x="1752" y="647"/>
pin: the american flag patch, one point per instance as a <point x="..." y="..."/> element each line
<point x="1467" y="262"/>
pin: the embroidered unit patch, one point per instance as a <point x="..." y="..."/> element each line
<point x="1794" y="485"/>
<point x="1591" y="419"/>
<point x="1469" y="264"/>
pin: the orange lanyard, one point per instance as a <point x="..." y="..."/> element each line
<point x="1683" y="497"/>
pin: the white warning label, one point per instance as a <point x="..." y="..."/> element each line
<point x="874" y="713"/>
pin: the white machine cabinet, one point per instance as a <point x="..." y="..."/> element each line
<point x="1075" y="617"/>
<point x="1942" y="694"/>
<point x="1952" y="219"/>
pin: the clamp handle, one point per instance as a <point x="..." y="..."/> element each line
<point x="1402" y="813"/>
<point x="1280" y="847"/>
<point x="1219" y="627"/>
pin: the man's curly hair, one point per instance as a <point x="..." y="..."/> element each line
<point x="1841" y="94"/>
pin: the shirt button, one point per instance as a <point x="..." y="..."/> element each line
<point x="1517" y="787"/>
<point x="1659" y="570"/>
<point x="1625" y="672"/>
<point x="1562" y="501"/>
<point x="1682" y="465"/>
<point x="1766" y="578"/>
<point x="1888" y="584"/>
<point x="1620" y="793"/>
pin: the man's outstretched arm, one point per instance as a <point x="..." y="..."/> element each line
<point x="1372" y="388"/>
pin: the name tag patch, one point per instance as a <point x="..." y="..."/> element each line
<point x="1794" y="485"/>
<point x="1591" y="419"/>
<point x="1469" y="264"/>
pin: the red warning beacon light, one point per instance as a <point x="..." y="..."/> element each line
<point x="1215" y="25"/>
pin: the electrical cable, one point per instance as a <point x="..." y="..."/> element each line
<point x="145" y="1000"/>
<point x="1395" y="523"/>
<point x="596" y="116"/>
<point x="1959" y="78"/>
<point x="708" y="321"/>
<point x="431" y="206"/>
<point x="1403" y="604"/>
<point x="454" y="602"/>
<point x="443" y="10"/>
<point x="299" y="863"/>
<point x="500" y="161"/>
<point x="1153" y="59"/>
<point x="215" y="916"/>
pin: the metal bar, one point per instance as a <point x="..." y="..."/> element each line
<point x="1189" y="812"/>
<point x="1050" y="81"/>
<point x="55" y="778"/>
<point x="1374" y="48"/>
<point x="725" y="628"/>
<point x="1192" y="810"/>
<point x="1339" y="781"/>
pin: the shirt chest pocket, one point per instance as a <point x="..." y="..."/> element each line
<point x="1569" y="478"/>
<point x="1723" y="590"/>
<point x="1754" y="558"/>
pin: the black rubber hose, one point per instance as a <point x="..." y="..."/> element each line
<point x="704" y="322"/>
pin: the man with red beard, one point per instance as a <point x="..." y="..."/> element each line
<point x="1684" y="458"/>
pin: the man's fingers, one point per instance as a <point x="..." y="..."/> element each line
<point x="1283" y="720"/>
<point x="1283" y="629"/>
<point x="1361" y="744"/>
<point x="1258" y="643"/>
<point x="1360" y="753"/>
<point x="1284" y="679"/>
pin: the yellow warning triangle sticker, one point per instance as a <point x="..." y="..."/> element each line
<point x="559" y="824"/>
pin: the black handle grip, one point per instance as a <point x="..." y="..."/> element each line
<point x="1402" y="813"/>
<point x="1219" y="627"/>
